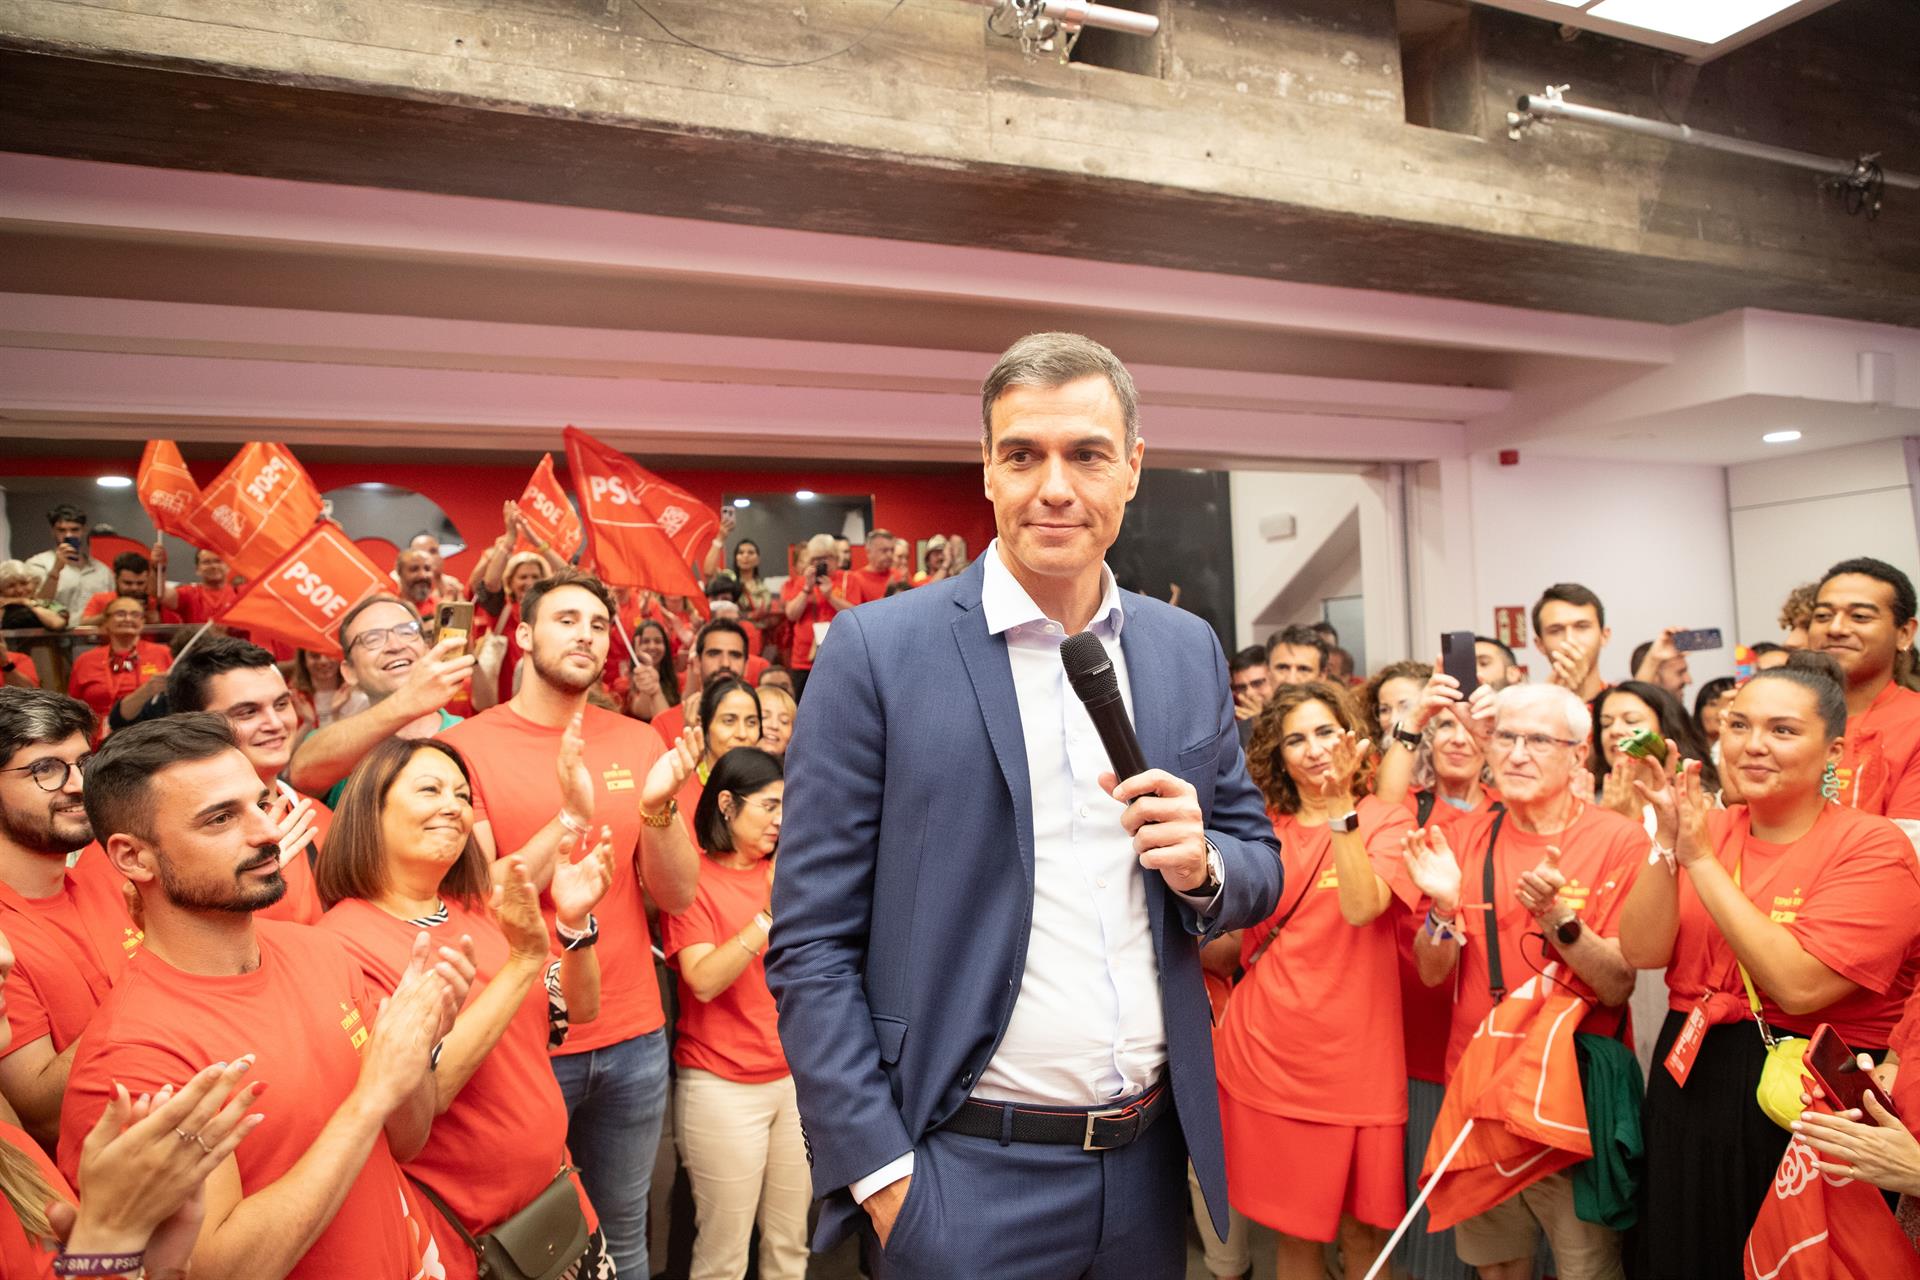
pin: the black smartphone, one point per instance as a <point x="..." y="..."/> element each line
<point x="454" y="618"/>
<point x="1696" y="641"/>
<point x="1457" y="659"/>
<point x="1839" y="1074"/>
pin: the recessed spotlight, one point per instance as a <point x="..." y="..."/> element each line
<point x="1780" y="437"/>
<point x="741" y="504"/>
<point x="805" y="495"/>
<point x="114" y="482"/>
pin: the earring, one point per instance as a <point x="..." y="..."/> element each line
<point x="1830" y="782"/>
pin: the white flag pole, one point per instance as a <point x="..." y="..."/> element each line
<point x="185" y="648"/>
<point x="1419" y="1201"/>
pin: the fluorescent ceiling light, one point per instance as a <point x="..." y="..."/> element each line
<point x="1707" y="21"/>
<point x="114" y="482"/>
<point x="742" y="504"/>
<point x="1780" y="437"/>
<point x="805" y="495"/>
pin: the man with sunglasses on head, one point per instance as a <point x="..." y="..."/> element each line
<point x="407" y="684"/>
<point x="69" y="927"/>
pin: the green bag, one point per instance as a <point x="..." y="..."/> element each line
<point x="1606" y="1188"/>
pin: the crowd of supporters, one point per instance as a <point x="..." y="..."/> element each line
<point x="326" y="966"/>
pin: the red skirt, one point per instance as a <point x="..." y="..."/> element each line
<point x="1299" y="1176"/>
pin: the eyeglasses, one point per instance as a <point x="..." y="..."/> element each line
<point x="374" y="639"/>
<point x="1504" y="741"/>
<point x="768" y="807"/>
<point x="50" y="774"/>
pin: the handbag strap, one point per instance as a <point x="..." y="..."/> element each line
<point x="1281" y="923"/>
<point x="1496" y="980"/>
<point x="452" y="1218"/>
<point x="1753" y="996"/>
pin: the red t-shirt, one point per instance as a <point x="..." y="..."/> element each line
<point x="867" y="584"/>
<point x="504" y="1138"/>
<point x="1426" y="1013"/>
<point x="101" y="599"/>
<point x="201" y="603"/>
<point x="300" y="904"/>
<point x="1880" y="773"/>
<point x="68" y="952"/>
<point x="671" y="723"/>
<point x="1905" y="1041"/>
<point x="21" y="1257"/>
<point x="102" y="677"/>
<point x="1313" y="1031"/>
<point x="307" y="1013"/>
<point x="735" y="1035"/>
<point x="515" y="790"/>
<point x="22" y="666"/>
<point x="1848" y="891"/>
<point x="1600" y="853"/>
<point x="814" y="618"/>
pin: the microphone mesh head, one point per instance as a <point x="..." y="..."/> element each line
<point x="1089" y="669"/>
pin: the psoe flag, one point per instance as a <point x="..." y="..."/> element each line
<point x="643" y="531"/>
<point x="167" y="490"/>
<point x="259" y="506"/>
<point x="544" y="506"/>
<point x="1818" y="1226"/>
<point x="302" y="598"/>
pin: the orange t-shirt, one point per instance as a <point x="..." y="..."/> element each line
<point x="68" y="952"/>
<point x="671" y="723"/>
<point x="1426" y="1013"/>
<point x="306" y="1011"/>
<point x="819" y="612"/>
<point x="1313" y="1031"/>
<point x="102" y="677"/>
<point x="1881" y="769"/>
<point x="1600" y="853"/>
<point x="1848" y="891"/>
<point x="22" y="665"/>
<point x="300" y="904"/>
<point x="867" y="584"/>
<point x="21" y="1256"/>
<point x="515" y="790"/>
<point x="735" y="1035"/>
<point x="504" y="1138"/>
<point x="101" y="599"/>
<point x="201" y="603"/>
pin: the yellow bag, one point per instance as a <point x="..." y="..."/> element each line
<point x="1781" y="1079"/>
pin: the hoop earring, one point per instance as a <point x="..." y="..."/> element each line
<point x="1830" y="783"/>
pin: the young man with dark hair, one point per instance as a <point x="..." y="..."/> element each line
<point x="1658" y="663"/>
<point x="719" y="649"/>
<point x="1495" y="663"/>
<point x="317" y="1190"/>
<point x="70" y="575"/>
<point x="133" y="577"/>
<point x="1767" y="655"/>
<point x="407" y="685"/>
<point x="1570" y="629"/>
<point x="68" y="926"/>
<point x="1252" y="684"/>
<point x="199" y="601"/>
<point x="1863" y="618"/>
<point x="241" y="683"/>
<point x="1296" y="655"/>
<point x="612" y="1071"/>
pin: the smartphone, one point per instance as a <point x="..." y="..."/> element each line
<point x="1457" y="659"/>
<point x="1834" y="1066"/>
<point x="1696" y="641"/>
<point x="454" y="618"/>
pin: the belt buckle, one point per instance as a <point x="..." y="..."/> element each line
<point x="1112" y="1113"/>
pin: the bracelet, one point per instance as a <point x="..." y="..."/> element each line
<point x="764" y="920"/>
<point x="568" y="821"/>
<point x="572" y="941"/>
<point x="665" y="817"/>
<point x="98" y="1264"/>
<point x="1443" y="930"/>
<point x="744" y="947"/>
<point x="1659" y="854"/>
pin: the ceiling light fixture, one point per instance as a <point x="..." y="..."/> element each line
<point x="804" y="495"/>
<point x="741" y="504"/>
<point x="1780" y="437"/>
<point x="114" y="482"/>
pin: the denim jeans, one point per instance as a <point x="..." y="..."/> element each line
<point x="615" y="1098"/>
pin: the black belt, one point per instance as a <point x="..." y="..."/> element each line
<point x="1094" y="1129"/>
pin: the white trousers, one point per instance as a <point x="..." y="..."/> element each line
<point x="742" y="1149"/>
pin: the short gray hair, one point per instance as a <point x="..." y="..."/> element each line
<point x="1523" y="697"/>
<point x="19" y="571"/>
<point x="1053" y="360"/>
<point x="39" y="717"/>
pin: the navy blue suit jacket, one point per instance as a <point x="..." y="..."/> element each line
<point x="904" y="898"/>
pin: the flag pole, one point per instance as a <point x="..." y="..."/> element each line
<point x="185" y="648"/>
<point x="1419" y="1201"/>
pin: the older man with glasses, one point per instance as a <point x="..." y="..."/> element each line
<point x="69" y="927"/>
<point x="1540" y="880"/>
<point x="407" y="684"/>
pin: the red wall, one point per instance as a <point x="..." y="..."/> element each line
<point x="914" y="505"/>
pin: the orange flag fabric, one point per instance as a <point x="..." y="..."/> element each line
<point x="642" y="531"/>
<point x="256" y="509"/>
<point x="1817" y="1226"/>
<point x="544" y="506"/>
<point x="167" y="490"/>
<point x="300" y="599"/>
<point x="1519" y="1082"/>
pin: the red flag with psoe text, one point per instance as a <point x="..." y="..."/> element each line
<point x="301" y="598"/>
<point x="258" y="507"/>
<point x="643" y="532"/>
<point x="544" y="506"/>
<point x="1818" y="1226"/>
<point x="167" y="490"/>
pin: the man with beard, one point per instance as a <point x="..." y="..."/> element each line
<point x="719" y="650"/>
<point x="612" y="1071"/>
<point x="241" y="683"/>
<point x="417" y="574"/>
<point x="408" y="686"/>
<point x="69" y="927"/>
<point x="201" y="601"/>
<point x="317" y="1190"/>
<point x="446" y="586"/>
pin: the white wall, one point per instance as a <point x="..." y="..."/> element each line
<point x="1343" y="544"/>
<point x="1795" y="515"/>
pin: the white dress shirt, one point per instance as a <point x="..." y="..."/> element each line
<point x="1086" y="1027"/>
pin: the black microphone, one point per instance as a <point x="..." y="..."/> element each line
<point x="1090" y="672"/>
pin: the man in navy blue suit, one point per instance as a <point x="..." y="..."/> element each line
<point x="986" y="950"/>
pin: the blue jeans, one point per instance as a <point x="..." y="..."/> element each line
<point x="615" y="1099"/>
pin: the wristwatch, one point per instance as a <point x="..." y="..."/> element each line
<point x="1567" y="932"/>
<point x="1346" y="824"/>
<point x="1406" y="737"/>
<point x="1216" y="872"/>
<point x="665" y="817"/>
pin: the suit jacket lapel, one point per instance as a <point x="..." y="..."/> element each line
<point x="987" y="666"/>
<point x="1152" y="688"/>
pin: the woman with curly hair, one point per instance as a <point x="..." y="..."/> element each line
<point x="1312" y="1066"/>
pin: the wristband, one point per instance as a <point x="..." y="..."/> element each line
<point x="764" y="920"/>
<point x="571" y="940"/>
<point x="1406" y="737"/>
<point x="744" y="947"/>
<point x="1443" y="930"/>
<point x="1661" y="854"/>
<point x="98" y="1264"/>
<point x="568" y="821"/>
